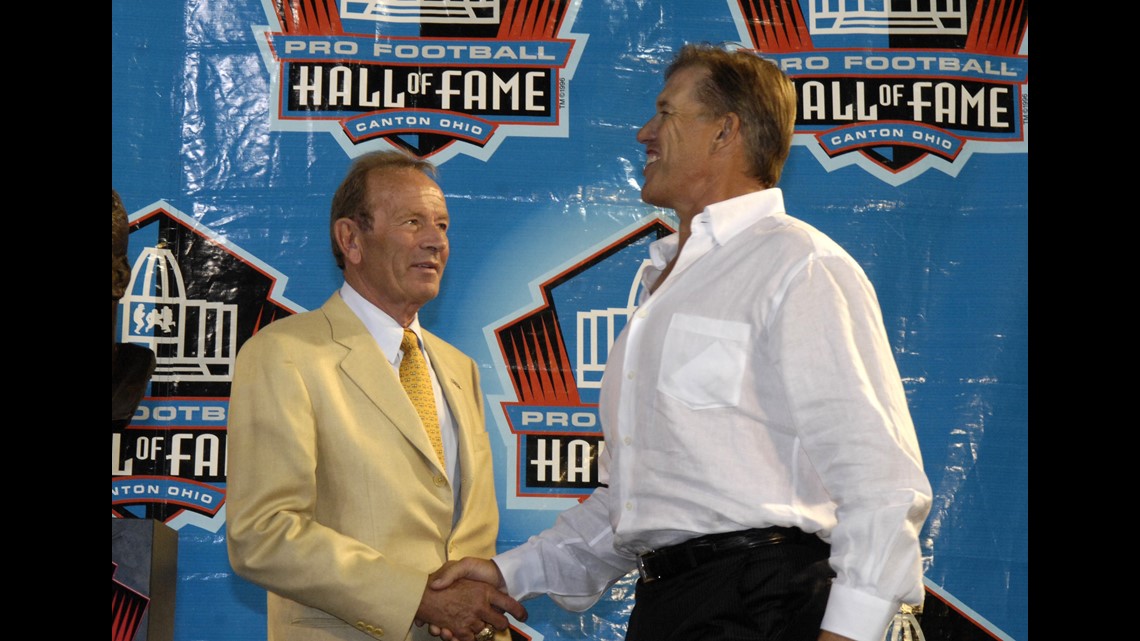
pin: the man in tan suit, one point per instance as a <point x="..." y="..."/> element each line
<point x="341" y="499"/>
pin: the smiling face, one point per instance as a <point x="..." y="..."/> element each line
<point x="398" y="263"/>
<point x="678" y="140"/>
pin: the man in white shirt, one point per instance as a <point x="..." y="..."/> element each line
<point x="761" y="469"/>
<point x="351" y="476"/>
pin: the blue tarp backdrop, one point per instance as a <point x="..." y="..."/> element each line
<point x="233" y="122"/>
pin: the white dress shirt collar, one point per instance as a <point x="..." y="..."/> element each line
<point x="387" y="332"/>
<point x="715" y="226"/>
<point x="722" y="221"/>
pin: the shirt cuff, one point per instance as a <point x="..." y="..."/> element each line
<point x="857" y="615"/>
<point x="525" y="580"/>
<point x="512" y="564"/>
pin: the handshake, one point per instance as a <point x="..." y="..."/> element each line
<point x="467" y="600"/>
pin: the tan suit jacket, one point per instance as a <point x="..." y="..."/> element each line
<point x="336" y="502"/>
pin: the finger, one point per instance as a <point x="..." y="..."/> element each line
<point x="460" y="635"/>
<point x="495" y="619"/>
<point x="486" y="632"/>
<point x="449" y="573"/>
<point x="506" y="604"/>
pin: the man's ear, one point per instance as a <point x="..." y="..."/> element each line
<point x="729" y="128"/>
<point x="346" y="232"/>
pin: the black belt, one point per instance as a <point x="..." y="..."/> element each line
<point x="676" y="559"/>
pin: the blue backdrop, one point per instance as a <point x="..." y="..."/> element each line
<point x="912" y="152"/>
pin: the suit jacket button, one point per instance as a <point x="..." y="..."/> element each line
<point x="439" y="480"/>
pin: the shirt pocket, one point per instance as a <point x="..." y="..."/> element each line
<point x="703" y="361"/>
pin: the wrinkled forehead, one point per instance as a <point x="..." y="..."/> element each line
<point x="399" y="191"/>
<point x="681" y="88"/>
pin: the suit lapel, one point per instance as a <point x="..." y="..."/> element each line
<point x="456" y="391"/>
<point x="458" y="397"/>
<point x="453" y="391"/>
<point x="367" y="367"/>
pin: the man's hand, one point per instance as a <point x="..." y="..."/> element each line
<point x="824" y="635"/>
<point x="459" y="579"/>
<point x="458" y="608"/>
<point x="472" y="568"/>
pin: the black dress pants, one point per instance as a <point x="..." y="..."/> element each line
<point x="773" y="593"/>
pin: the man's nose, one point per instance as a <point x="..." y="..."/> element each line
<point x="435" y="239"/>
<point x="645" y="133"/>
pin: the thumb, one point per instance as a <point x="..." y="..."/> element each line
<point x="447" y="574"/>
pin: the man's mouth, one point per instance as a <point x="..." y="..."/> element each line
<point x="651" y="157"/>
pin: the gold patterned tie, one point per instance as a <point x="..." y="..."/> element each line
<point x="417" y="383"/>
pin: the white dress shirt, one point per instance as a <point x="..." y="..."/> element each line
<point x="755" y="387"/>
<point x="389" y="334"/>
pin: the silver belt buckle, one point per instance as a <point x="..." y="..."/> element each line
<point x="645" y="576"/>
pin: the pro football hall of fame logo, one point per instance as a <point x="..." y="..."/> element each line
<point x="552" y="357"/>
<point x="899" y="86"/>
<point x="433" y="77"/>
<point x="193" y="299"/>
